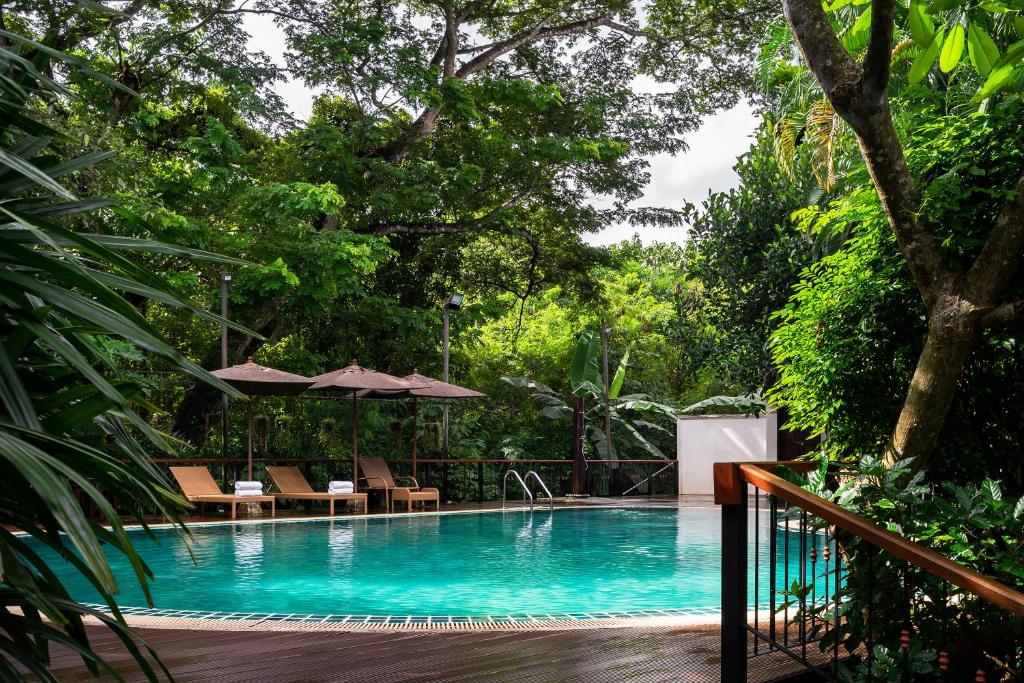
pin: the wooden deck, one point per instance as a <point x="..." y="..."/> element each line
<point x="614" y="655"/>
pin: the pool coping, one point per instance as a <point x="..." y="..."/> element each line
<point x="408" y="515"/>
<point x="699" y="618"/>
<point x="696" y="618"/>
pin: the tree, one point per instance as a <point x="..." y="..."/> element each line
<point x="847" y="342"/>
<point x="137" y="50"/>
<point x="964" y="295"/>
<point x="744" y="256"/>
<point x="606" y="406"/>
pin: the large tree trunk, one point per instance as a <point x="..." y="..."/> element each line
<point x="931" y="391"/>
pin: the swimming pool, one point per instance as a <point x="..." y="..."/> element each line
<point x="570" y="561"/>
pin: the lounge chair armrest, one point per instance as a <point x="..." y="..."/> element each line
<point x="415" y="484"/>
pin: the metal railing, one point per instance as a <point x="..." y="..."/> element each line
<point x="522" y="484"/>
<point x="848" y="599"/>
<point x="532" y="474"/>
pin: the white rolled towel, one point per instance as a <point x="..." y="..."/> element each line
<point x="340" y="487"/>
<point x="248" y="492"/>
<point x="251" y="488"/>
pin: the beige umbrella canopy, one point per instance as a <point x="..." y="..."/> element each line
<point x="354" y="379"/>
<point x="434" y="388"/>
<point x="257" y="380"/>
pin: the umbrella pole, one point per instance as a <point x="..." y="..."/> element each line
<point x="415" y="428"/>
<point x="250" y="439"/>
<point x="355" y="443"/>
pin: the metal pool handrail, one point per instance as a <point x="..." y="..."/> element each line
<point x="526" y="490"/>
<point x="543" y="486"/>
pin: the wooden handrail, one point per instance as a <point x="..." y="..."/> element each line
<point x="433" y="461"/>
<point x="970" y="580"/>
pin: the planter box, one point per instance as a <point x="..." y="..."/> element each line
<point x="702" y="440"/>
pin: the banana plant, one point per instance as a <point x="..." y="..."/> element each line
<point x="628" y="429"/>
<point x="747" y="404"/>
<point x="70" y="433"/>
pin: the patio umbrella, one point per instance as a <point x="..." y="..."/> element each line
<point x="257" y="380"/>
<point x="433" y="388"/>
<point x="354" y="379"/>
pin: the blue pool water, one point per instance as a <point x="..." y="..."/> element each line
<point x="566" y="561"/>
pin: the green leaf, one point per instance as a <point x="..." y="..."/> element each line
<point x="620" y="375"/>
<point x="15" y="398"/>
<point x="922" y="29"/>
<point x="923" y="63"/>
<point x="997" y="79"/>
<point x="584" y="362"/>
<point x="952" y="49"/>
<point x="33" y="174"/>
<point x="526" y="383"/>
<point x="645" y="406"/>
<point x="944" y="5"/>
<point x="749" y="404"/>
<point x="556" y="412"/>
<point x="992" y="489"/>
<point x="982" y="49"/>
<point x="856" y="37"/>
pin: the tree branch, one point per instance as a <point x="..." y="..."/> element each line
<point x="1001" y="256"/>
<point x="1004" y="315"/>
<point x="878" y="58"/>
<point x="538" y="32"/>
<point x="836" y="71"/>
<point x="845" y="84"/>
<point x="413" y="228"/>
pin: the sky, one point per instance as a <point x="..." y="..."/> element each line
<point x="707" y="166"/>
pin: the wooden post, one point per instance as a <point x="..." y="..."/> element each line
<point x="415" y="429"/>
<point x="579" y="464"/>
<point x="250" y="438"/>
<point x="734" y="574"/>
<point x="355" y="443"/>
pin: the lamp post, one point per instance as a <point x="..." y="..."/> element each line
<point x="225" y="278"/>
<point x="452" y="303"/>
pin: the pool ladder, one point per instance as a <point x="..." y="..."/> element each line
<point x="527" y="495"/>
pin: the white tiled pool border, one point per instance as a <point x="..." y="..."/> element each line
<point x="243" y="621"/>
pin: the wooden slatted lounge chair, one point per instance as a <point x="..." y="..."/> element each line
<point x="199" y="487"/>
<point x="295" y="487"/>
<point x="377" y="475"/>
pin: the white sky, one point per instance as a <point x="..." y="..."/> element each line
<point x="706" y="167"/>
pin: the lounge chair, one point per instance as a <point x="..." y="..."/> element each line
<point x="294" y="486"/>
<point x="377" y="475"/>
<point x="199" y="487"/>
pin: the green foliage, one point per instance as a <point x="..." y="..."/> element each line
<point x="748" y="404"/>
<point x="853" y="328"/>
<point x="743" y="258"/>
<point x="974" y="525"/>
<point x="946" y="33"/>
<point x="584" y="375"/>
<point x="586" y="380"/>
<point x="70" y="427"/>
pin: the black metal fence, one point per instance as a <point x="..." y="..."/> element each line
<point x="473" y="480"/>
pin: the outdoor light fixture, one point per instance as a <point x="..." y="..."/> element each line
<point x="452" y="303"/>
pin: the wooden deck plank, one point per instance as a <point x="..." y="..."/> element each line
<point x="647" y="655"/>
